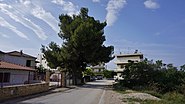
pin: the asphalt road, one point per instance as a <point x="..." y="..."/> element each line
<point x="91" y="93"/>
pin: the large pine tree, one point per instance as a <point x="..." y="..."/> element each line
<point x="83" y="39"/>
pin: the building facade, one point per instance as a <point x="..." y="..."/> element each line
<point x="98" y="68"/>
<point x="12" y="74"/>
<point x="42" y="61"/>
<point x="16" y="68"/>
<point x="19" y="58"/>
<point x="124" y="59"/>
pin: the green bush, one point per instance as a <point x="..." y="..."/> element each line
<point x="168" y="98"/>
<point x="155" y="76"/>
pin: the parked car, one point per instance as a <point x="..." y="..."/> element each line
<point x="93" y="78"/>
<point x="99" y="77"/>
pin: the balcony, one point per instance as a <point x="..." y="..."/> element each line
<point x="119" y="70"/>
<point x="121" y="62"/>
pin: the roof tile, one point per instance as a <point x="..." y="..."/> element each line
<point x="7" y="65"/>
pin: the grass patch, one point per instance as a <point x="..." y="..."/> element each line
<point x="168" y="98"/>
<point x="153" y="93"/>
<point x="174" y="98"/>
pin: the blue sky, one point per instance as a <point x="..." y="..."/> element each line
<point x="154" y="27"/>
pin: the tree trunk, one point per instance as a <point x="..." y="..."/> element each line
<point x="74" y="77"/>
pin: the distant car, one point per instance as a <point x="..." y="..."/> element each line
<point x="99" y="77"/>
<point x="55" y="77"/>
<point x="93" y="78"/>
<point x="88" y="78"/>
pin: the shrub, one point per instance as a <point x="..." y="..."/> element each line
<point x="154" y="76"/>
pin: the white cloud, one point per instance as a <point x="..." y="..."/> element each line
<point x="46" y="17"/>
<point x="3" y="35"/>
<point x="5" y="24"/>
<point x="96" y="0"/>
<point x="113" y="8"/>
<point x="25" y="2"/>
<point x="67" y="6"/>
<point x="6" y="36"/>
<point x="2" y="6"/>
<point x="16" y="16"/>
<point x="151" y="4"/>
<point x="37" y="29"/>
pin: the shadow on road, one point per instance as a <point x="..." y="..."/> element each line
<point x="98" y="84"/>
<point x="18" y="100"/>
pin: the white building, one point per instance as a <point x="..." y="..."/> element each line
<point x="98" y="68"/>
<point x="42" y="61"/>
<point x="122" y="60"/>
<point x="19" y="58"/>
<point x="12" y="74"/>
<point x="16" y="68"/>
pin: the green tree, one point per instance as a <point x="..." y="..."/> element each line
<point x="182" y="67"/>
<point x="52" y="53"/>
<point x="154" y="75"/>
<point x="159" y="64"/>
<point x="41" y="69"/>
<point x="83" y="39"/>
<point x="89" y="71"/>
<point x="108" y="73"/>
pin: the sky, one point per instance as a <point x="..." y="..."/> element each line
<point x="155" y="28"/>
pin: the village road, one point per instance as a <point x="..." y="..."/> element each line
<point x="91" y="93"/>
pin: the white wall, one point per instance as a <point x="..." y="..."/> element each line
<point x="15" y="60"/>
<point x="19" y="60"/>
<point x="123" y="61"/>
<point x="18" y="76"/>
<point x="42" y="61"/>
<point x="98" y="70"/>
<point x="126" y="59"/>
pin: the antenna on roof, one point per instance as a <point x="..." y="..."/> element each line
<point x="21" y="52"/>
<point x="136" y="51"/>
<point x="120" y="52"/>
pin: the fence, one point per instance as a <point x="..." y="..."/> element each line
<point x="22" y="90"/>
<point x="55" y="79"/>
<point x="9" y="79"/>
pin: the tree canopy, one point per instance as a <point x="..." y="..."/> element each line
<point x="155" y="75"/>
<point x="83" y="39"/>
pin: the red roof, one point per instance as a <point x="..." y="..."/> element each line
<point x="7" y="65"/>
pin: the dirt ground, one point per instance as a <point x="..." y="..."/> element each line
<point x="112" y="97"/>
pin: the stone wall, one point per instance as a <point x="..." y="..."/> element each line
<point x="22" y="90"/>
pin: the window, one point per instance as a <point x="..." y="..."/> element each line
<point x="130" y="61"/>
<point x="4" y="77"/>
<point x="1" y="77"/>
<point x="28" y="63"/>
